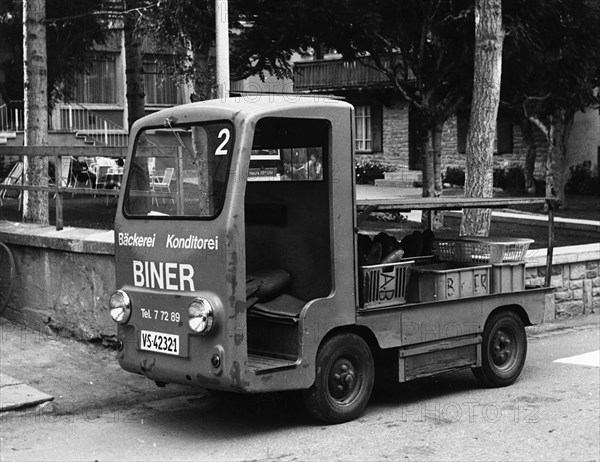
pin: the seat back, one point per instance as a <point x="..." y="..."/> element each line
<point x="15" y="174"/>
<point x="168" y="176"/>
<point x="101" y="174"/>
<point x="13" y="177"/>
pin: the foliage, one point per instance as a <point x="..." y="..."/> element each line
<point x="269" y="34"/>
<point x="73" y="28"/>
<point x="185" y="29"/>
<point x="367" y="171"/>
<point x="551" y="70"/>
<point x="425" y="48"/>
<point x="553" y="55"/>
<point x="455" y="176"/>
<point x="583" y="181"/>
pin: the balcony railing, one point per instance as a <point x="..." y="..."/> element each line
<point x="336" y="74"/>
<point x="92" y="127"/>
<point x="12" y="117"/>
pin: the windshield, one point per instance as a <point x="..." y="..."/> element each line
<point x="179" y="170"/>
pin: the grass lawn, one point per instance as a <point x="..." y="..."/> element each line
<point x="93" y="212"/>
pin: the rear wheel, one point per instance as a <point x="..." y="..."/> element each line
<point x="344" y="379"/>
<point x="7" y="276"/>
<point x="504" y="350"/>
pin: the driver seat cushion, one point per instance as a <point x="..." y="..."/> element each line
<point x="265" y="285"/>
<point x="283" y="308"/>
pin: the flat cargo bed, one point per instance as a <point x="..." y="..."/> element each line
<point x="444" y="203"/>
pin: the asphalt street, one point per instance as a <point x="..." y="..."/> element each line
<point x="103" y="413"/>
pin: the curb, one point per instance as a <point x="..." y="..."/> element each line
<point x="566" y="324"/>
<point x="15" y="395"/>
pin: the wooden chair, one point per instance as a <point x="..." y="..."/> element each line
<point x="101" y="174"/>
<point x="160" y="183"/>
<point x="14" y="177"/>
<point x="113" y="179"/>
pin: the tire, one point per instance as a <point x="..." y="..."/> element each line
<point x="345" y="374"/>
<point x="503" y="350"/>
<point x="7" y="276"/>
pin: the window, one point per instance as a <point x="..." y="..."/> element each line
<point x="160" y="87"/>
<point x="368" y="127"/>
<point x="180" y="171"/>
<point x="363" y="140"/>
<point x="98" y="85"/>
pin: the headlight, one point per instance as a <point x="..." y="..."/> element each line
<point x="201" y="316"/>
<point x="120" y="307"/>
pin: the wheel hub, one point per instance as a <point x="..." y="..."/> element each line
<point x="342" y="379"/>
<point x="502" y="348"/>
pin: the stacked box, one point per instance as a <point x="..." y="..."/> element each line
<point x="448" y="281"/>
<point x="508" y="277"/>
<point x="385" y="285"/>
<point x="506" y="255"/>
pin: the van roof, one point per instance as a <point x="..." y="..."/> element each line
<point x="247" y="106"/>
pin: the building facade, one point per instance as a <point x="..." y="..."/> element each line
<point x="385" y="128"/>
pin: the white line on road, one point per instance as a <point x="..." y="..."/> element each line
<point x="586" y="359"/>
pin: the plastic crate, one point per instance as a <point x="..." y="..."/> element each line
<point x="385" y="285"/>
<point x="508" y="277"/>
<point x="421" y="260"/>
<point x="483" y="249"/>
<point x="448" y="281"/>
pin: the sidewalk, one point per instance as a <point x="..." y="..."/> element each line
<point x="53" y="375"/>
<point x="75" y="377"/>
<point x="15" y="395"/>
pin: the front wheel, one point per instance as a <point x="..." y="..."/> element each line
<point x="504" y="350"/>
<point x="345" y="373"/>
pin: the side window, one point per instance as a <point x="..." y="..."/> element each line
<point x="286" y="164"/>
<point x="289" y="150"/>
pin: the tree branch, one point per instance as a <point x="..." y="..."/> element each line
<point x="100" y="14"/>
<point x="539" y="124"/>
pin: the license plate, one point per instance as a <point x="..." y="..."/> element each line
<point x="159" y="342"/>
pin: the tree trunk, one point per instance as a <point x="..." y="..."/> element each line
<point x="203" y="90"/>
<point x="556" y="166"/>
<point x="431" y="149"/>
<point x="134" y="71"/>
<point x="436" y="144"/>
<point x="489" y="36"/>
<point x="35" y="203"/>
<point x="204" y="79"/>
<point x="427" y="162"/>
<point x="436" y="147"/>
<point x="530" y="156"/>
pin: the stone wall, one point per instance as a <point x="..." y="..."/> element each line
<point x="395" y="132"/>
<point x="63" y="280"/>
<point x="575" y="277"/>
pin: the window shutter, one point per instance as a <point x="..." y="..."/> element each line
<point x="377" y="128"/>
<point x="462" y="126"/>
<point x="504" y="134"/>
